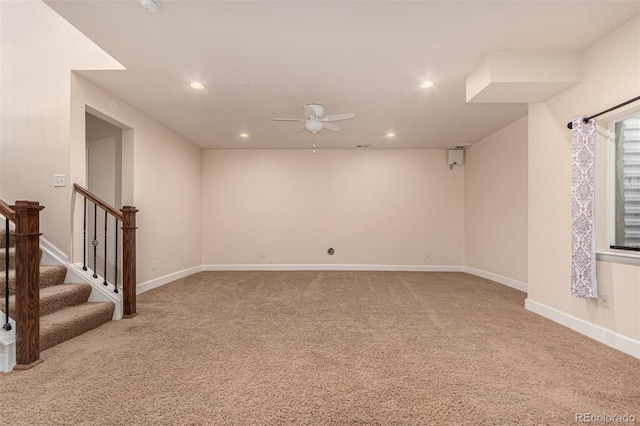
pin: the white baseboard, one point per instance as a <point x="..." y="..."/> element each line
<point x="51" y="255"/>
<point x="331" y="267"/>
<point x="160" y="281"/>
<point x="518" y="285"/>
<point x="608" y="337"/>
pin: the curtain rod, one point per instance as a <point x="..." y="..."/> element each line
<point x="586" y="119"/>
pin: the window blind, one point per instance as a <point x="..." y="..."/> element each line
<point x="628" y="183"/>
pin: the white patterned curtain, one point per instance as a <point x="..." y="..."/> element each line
<point x="583" y="241"/>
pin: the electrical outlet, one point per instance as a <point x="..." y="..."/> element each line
<point x="264" y="253"/>
<point x="427" y="253"/>
<point x="604" y="300"/>
<point x="59" y="180"/>
<point x="153" y="264"/>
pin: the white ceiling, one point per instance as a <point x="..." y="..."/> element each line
<point x="362" y="57"/>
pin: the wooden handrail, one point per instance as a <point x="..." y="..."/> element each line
<point x="7" y="211"/>
<point x="103" y="205"/>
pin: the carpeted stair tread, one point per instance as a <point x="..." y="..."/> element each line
<point x="55" y="298"/>
<point x="12" y="258"/>
<point x="49" y="276"/>
<point x="64" y="310"/>
<point x="12" y="239"/>
<point x="73" y="321"/>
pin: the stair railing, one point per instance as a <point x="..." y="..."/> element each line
<point x="127" y="217"/>
<point x="9" y="215"/>
<point x="26" y="217"/>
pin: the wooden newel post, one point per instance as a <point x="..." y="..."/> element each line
<point x="129" y="261"/>
<point x="27" y="237"/>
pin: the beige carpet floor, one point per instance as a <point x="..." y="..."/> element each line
<point x="317" y="348"/>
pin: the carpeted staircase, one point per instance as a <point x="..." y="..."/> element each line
<point x="64" y="310"/>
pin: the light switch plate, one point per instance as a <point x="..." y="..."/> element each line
<point x="59" y="180"/>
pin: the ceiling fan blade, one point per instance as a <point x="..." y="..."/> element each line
<point x="309" y="112"/>
<point x="289" y="119"/>
<point x="332" y="127"/>
<point x="338" y="117"/>
<point x="301" y="129"/>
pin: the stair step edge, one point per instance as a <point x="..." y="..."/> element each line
<point x="68" y="323"/>
<point x="55" y="298"/>
<point x="49" y="275"/>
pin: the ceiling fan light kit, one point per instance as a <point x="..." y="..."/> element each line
<point x="313" y="125"/>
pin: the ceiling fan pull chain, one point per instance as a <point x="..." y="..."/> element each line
<point x="314" y="144"/>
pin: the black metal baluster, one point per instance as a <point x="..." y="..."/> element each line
<point x="7" y="324"/>
<point x="84" y="237"/>
<point x="115" y="280"/>
<point x="95" y="239"/>
<point x="105" y="249"/>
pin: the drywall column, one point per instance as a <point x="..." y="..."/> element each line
<point x="496" y="206"/>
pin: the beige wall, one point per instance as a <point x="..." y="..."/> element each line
<point x="611" y="75"/>
<point x="167" y="177"/>
<point x="36" y="60"/>
<point x="380" y="207"/>
<point x="495" y="180"/>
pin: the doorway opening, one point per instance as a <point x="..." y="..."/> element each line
<point x="103" y="160"/>
<point x="109" y="177"/>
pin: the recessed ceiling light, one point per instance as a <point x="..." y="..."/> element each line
<point x="426" y="84"/>
<point x="244" y="135"/>
<point x="197" y="85"/>
<point x="391" y="135"/>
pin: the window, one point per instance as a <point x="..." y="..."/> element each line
<point x="627" y="184"/>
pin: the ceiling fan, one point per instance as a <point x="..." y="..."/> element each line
<point x="315" y="121"/>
